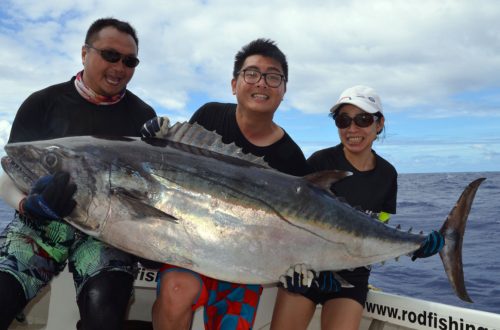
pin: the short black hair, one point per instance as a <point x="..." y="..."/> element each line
<point x="263" y="47"/>
<point x="102" y="23"/>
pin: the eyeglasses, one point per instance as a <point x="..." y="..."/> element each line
<point x="252" y="76"/>
<point x="361" y="120"/>
<point x="112" y="56"/>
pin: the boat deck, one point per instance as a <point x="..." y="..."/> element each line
<point x="55" y="309"/>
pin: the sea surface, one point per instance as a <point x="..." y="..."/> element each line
<point x="424" y="201"/>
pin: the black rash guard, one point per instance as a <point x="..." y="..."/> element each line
<point x="284" y="155"/>
<point x="59" y="111"/>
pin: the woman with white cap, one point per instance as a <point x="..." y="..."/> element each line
<point x="358" y="115"/>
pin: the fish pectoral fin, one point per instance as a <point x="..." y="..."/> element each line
<point x="136" y="204"/>
<point x="325" y="179"/>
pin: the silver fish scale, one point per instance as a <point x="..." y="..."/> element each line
<point x="207" y="212"/>
<point x="195" y="202"/>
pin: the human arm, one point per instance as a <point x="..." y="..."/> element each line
<point x="51" y="197"/>
<point x="30" y="117"/>
<point x="9" y="192"/>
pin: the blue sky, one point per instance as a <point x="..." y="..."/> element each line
<point x="435" y="64"/>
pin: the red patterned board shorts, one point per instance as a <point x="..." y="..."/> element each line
<point x="228" y="306"/>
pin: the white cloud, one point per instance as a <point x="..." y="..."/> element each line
<point x="419" y="54"/>
<point x="414" y="52"/>
<point x="4" y="131"/>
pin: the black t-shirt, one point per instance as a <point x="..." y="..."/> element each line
<point x="374" y="190"/>
<point x="283" y="155"/>
<point x="59" y="111"/>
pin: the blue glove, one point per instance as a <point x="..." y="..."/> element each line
<point x="156" y="127"/>
<point x="51" y="197"/>
<point x="432" y="245"/>
<point x="299" y="279"/>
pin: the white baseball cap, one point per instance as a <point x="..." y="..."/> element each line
<point x="364" y="97"/>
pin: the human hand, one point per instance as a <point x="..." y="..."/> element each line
<point x="156" y="127"/>
<point x="297" y="279"/>
<point x="51" y="197"/>
<point x="432" y="245"/>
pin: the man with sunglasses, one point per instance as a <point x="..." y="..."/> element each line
<point x="36" y="245"/>
<point x="359" y="118"/>
<point x="259" y="80"/>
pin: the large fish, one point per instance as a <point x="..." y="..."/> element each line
<point x="193" y="201"/>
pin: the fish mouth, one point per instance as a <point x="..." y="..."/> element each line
<point x="21" y="175"/>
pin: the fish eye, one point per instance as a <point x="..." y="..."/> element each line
<point x="50" y="160"/>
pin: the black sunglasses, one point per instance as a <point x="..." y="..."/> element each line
<point x="112" y="56"/>
<point x="361" y="120"/>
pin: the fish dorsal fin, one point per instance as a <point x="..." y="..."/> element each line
<point x="197" y="136"/>
<point x="325" y="179"/>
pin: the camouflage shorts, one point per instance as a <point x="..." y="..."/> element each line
<point x="34" y="254"/>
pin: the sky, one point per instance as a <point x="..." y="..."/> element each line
<point x="435" y="65"/>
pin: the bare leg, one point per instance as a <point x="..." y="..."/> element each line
<point x="292" y="311"/>
<point x="172" y="308"/>
<point x="341" y="313"/>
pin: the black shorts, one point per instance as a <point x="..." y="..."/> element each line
<point x="358" y="277"/>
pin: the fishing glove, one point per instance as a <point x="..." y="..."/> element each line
<point x="156" y="127"/>
<point x="432" y="245"/>
<point x="299" y="279"/>
<point x="51" y="197"/>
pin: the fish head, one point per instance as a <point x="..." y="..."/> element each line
<point x="27" y="161"/>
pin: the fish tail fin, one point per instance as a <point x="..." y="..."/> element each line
<point x="453" y="231"/>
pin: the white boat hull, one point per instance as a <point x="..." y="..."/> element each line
<point x="55" y="309"/>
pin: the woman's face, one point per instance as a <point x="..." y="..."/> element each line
<point x="354" y="138"/>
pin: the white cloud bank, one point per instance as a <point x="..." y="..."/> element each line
<point x="428" y="59"/>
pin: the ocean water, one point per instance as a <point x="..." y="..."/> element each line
<point x="424" y="201"/>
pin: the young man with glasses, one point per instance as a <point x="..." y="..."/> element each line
<point x="259" y="82"/>
<point x="36" y="245"/>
